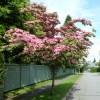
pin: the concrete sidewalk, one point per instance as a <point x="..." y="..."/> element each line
<point x="88" y="88"/>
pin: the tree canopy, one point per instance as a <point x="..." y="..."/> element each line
<point x="30" y="34"/>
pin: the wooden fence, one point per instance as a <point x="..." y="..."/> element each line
<point x="18" y="76"/>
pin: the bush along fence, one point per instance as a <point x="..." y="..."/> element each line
<point x="18" y="76"/>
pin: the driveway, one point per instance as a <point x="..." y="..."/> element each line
<point x="87" y="88"/>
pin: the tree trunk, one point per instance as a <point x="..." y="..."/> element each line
<point x="53" y="79"/>
<point x="74" y="71"/>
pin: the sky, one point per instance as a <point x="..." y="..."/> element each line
<point x="89" y="9"/>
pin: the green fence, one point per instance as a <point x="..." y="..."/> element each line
<point x="18" y="76"/>
<point x="1" y="92"/>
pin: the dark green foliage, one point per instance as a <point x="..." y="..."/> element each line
<point x="98" y="68"/>
<point x="68" y="18"/>
<point x="2" y="29"/>
<point x="94" y="61"/>
<point x="93" y="69"/>
<point x="10" y="14"/>
<point x="6" y="2"/>
<point x="11" y="52"/>
<point x="22" y="59"/>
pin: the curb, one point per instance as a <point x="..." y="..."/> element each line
<point x="70" y="90"/>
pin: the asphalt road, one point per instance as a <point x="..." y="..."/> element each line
<point x="87" y="88"/>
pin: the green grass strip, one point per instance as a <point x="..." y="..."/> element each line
<point x="59" y="90"/>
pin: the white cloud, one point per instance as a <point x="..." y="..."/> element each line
<point x="94" y="52"/>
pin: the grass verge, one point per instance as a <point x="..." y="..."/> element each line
<point x="59" y="90"/>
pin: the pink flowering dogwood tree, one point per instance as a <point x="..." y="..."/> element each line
<point x="51" y="49"/>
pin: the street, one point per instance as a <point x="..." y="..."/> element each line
<point x="87" y="88"/>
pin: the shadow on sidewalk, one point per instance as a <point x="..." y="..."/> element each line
<point x="31" y="94"/>
<point x="70" y="95"/>
<point x="58" y="93"/>
<point x="45" y="93"/>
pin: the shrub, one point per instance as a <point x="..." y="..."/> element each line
<point x="93" y="69"/>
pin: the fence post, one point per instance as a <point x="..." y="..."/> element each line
<point x="20" y="75"/>
<point x="1" y="92"/>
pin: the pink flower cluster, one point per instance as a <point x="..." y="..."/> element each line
<point x="48" y="20"/>
<point x="60" y="48"/>
<point x="83" y="21"/>
<point x="31" y="42"/>
<point x="51" y="40"/>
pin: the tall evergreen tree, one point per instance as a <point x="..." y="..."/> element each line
<point x="94" y="61"/>
<point x="68" y="18"/>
